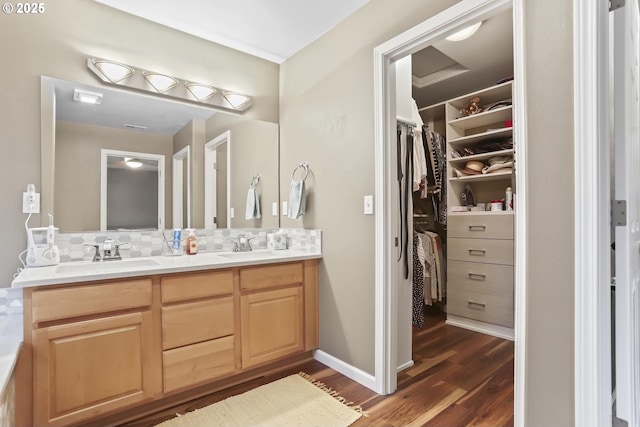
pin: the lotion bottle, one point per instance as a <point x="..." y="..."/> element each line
<point x="192" y="243"/>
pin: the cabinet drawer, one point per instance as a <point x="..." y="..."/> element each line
<point x="490" y="226"/>
<point x="271" y="276"/>
<point x="197" y="363"/>
<point x="481" y="250"/>
<point x="481" y="276"/>
<point x="491" y="307"/>
<point x="198" y="285"/>
<point x="195" y="322"/>
<point x="53" y="304"/>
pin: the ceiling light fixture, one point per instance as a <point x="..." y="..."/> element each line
<point x="160" y="82"/>
<point x="115" y="72"/>
<point x="236" y="100"/>
<point x="465" y="33"/>
<point x="201" y="92"/>
<point x="88" y="97"/>
<point x="132" y="162"/>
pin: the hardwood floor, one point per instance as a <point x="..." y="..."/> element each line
<point x="460" y="378"/>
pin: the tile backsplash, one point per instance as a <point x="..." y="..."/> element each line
<point x="78" y="246"/>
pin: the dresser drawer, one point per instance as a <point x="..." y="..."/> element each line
<point x="197" y="285"/>
<point x="481" y="276"/>
<point x="195" y="322"/>
<point x="485" y="306"/>
<point x="53" y="304"/>
<point x="489" y="226"/>
<point x="197" y="363"/>
<point x="271" y="276"/>
<point x="480" y="250"/>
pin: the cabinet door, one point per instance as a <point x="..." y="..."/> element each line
<point x="272" y="325"/>
<point x="88" y="368"/>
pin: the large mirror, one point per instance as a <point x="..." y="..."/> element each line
<point x="136" y="161"/>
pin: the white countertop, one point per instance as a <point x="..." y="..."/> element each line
<point x="82" y="271"/>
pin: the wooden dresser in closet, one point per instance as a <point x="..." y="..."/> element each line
<point x="480" y="267"/>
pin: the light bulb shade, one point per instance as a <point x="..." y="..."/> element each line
<point x="112" y="71"/>
<point x="133" y="163"/>
<point x="201" y="92"/>
<point x="160" y="82"/>
<point x="465" y="33"/>
<point x="236" y="100"/>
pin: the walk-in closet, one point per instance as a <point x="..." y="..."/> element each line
<point x="456" y="174"/>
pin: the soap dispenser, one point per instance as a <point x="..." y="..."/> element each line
<point x="192" y="243"/>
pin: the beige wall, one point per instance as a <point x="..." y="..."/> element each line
<point x="326" y="118"/>
<point x="77" y="170"/>
<point x="254" y="149"/>
<point x="57" y="44"/>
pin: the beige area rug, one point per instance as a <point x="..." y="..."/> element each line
<point x="296" y="400"/>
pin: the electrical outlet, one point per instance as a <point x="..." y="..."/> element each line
<point x="285" y="208"/>
<point x="30" y="205"/>
<point x="232" y="213"/>
<point x="274" y="209"/>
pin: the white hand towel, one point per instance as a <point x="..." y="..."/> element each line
<point x="253" y="204"/>
<point x="297" y="199"/>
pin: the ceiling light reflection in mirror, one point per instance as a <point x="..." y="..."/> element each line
<point x="150" y="81"/>
<point x="465" y="33"/>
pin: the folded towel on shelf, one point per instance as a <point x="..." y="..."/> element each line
<point x="253" y="204"/>
<point x="297" y="199"/>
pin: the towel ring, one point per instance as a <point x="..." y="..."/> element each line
<point x="304" y="166"/>
<point x="255" y="180"/>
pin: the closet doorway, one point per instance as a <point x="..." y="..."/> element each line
<point x="425" y="35"/>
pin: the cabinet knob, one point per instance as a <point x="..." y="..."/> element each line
<point x="477" y="304"/>
<point x="477" y="276"/>
<point x="477" y="227"/>
<point x="477" y="252"/>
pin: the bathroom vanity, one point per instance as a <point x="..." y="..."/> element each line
<point x="108" y="344"/>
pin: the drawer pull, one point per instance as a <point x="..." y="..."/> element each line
<point x="477" y="227"/>
<point x="477" y="304"/>
<point x="477" y="276"/>
<point x="477" y="252"/>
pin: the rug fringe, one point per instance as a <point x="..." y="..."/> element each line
<point x="333" y="394"/>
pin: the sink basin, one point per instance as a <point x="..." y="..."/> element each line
<point x="242" y="255"/>
<point x="105" y="266"/>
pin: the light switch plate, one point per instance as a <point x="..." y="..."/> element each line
<point x="285" y="208"/>
<point x="368" y="205"/>
<point x="274" y="209"/>
<point x="232" y="213"/>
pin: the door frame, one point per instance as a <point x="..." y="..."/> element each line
<point x="210" y="204"/>
<point x="592" y="262"/>
<point x="409" y="42"/>
<point x="177" y="197"/>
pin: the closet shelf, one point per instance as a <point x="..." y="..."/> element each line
<point x="460" y="161"/>
<point x="471" y="213"/>
<point x="466" y="141"/>
<point x="496" y="176"/>
<point x="486" y="118"/>
<point x="501" y="92"/>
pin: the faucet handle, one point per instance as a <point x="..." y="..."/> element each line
<point x="96" y="255"/>
<point x="117" y="253"/>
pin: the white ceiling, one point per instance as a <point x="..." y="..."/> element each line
<point x="270" y="29"/>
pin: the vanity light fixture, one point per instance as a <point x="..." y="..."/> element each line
<point x="160" y="82"/>
<point x="132" y="162"/>
<point x="465" y="33"/>
<point x="118" y="74"/>
<point x="88" y="97"/>
<point x="201" y="92"/>
<point x="115" y="72"/>
<point x="236" y="100"/>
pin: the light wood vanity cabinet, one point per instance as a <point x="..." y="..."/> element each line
<point x="88" y="360"/>
<point x="103" y="347"/>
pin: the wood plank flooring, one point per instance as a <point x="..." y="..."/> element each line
<point x="460" y="378"/>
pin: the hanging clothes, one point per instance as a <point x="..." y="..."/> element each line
<point x="419" y="155"/>
<point x="417" y="312"/>
<point x="435" y="145"/>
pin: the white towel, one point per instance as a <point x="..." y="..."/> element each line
<point x="297" y="199"/>
<point x="253" y="204"/>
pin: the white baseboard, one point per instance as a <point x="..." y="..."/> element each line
<point x="485" y="328"/>
<point x="345" y="369"/>
<point x="405" y="365"/>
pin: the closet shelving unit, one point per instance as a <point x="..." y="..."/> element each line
<point x="480" y="273"/>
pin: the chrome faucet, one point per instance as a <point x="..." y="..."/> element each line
<point x="242" y="244"/>
<point x="110" y="251"/>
